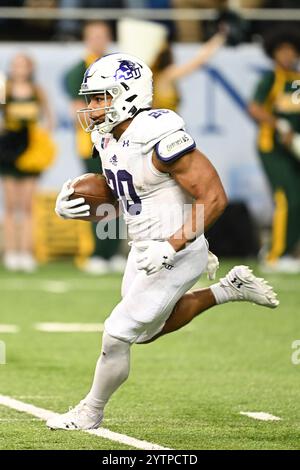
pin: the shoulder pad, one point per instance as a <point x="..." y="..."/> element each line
<point x="174" y="146"/>
<point x="154" y="125"/>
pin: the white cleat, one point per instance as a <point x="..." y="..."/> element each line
<point x="80" y="417"/>
<point x="245" y="286"/>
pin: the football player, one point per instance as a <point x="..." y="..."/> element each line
<point x="154" y="168"/>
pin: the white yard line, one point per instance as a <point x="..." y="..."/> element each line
<point x="101" y="432"/>
<point x="9" y="328"/>
<point x="260" y="415"/>
<point x="123" y="439"/>
<point x="69" y="327"/>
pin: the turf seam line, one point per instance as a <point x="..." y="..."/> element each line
<point x="101" y="432"/>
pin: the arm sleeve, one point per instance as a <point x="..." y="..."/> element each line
<point x="174" y="146"/>
<point x="264" y="87"/>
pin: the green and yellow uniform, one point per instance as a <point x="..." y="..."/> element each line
<point x="18" y="114"/>
<point x="274" y="92"/>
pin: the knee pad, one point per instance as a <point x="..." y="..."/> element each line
<point x="115" y="354"/>
<point x="112" y="345"/>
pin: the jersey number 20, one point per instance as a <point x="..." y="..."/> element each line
<point x="133" y="204"/>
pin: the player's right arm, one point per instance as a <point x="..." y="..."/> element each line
<point x="70" y="208"/>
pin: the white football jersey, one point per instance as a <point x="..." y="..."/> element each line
<point x="153" y="204"/>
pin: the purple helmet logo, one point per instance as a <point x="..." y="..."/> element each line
<point x="127" y="70"/>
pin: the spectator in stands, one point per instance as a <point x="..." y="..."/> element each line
<point x="26" y="150"/>
<point x="41" y="29"/>
<point x="192" y="31"/>
<point x="276" y="108"/>
<point x="136" y="3"/>
<point x="70" y="29"/>
<point x="96" y="37"/>
<point x="281" y="4"/>
<point x="268" y="25"/>
<point x="7" y="26"/>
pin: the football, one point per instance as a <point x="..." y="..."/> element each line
<point x="95" y="190"/>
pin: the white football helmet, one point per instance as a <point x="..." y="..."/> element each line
<point x="127" y="79"/>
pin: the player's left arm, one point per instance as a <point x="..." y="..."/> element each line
<point x="196" y="175"/>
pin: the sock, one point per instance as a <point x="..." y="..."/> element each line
<point x="221" y="293"/>
<point x="112" y="370"/>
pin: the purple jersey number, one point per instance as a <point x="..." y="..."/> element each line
<point x="133" y="204"/>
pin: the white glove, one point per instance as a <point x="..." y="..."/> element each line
<point x="154" y="255"/>
<point x="70" y="209"/>
<point x="212" y="266"/>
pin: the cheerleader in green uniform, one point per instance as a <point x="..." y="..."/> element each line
<point x="26" y="150"/>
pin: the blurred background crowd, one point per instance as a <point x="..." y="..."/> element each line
<point x="29" y="29"/>
<point x="230" y="67"/>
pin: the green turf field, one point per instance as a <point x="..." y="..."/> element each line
<point x="185" y="391"/>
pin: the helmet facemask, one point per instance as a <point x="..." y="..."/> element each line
<point x="111" y="116"/>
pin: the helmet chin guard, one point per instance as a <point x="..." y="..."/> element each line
<point x="126" y="79"/>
